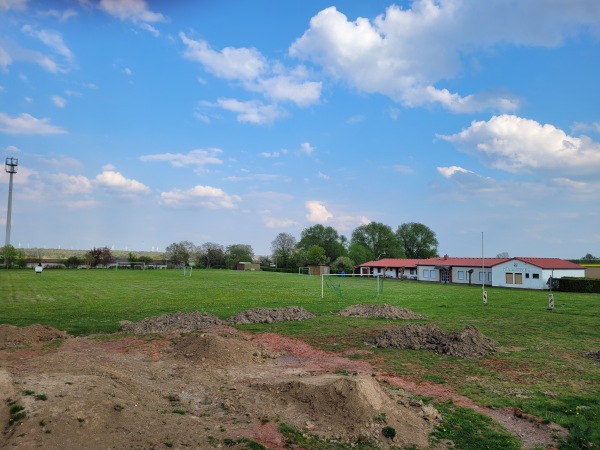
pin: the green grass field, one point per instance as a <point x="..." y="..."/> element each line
<point x="541" y="366"/>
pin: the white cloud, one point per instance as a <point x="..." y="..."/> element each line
<point x="11" y="52"/>
<point x="403" y="169"/>
<point x="72" y="184"/>
<point x="255" y="73"/>
<point x="134" y="10"/>
<point x="204" y="196"/>
<point x="58" y="101"/>
<point x="273" y="222"/>
<point x="17" y="5"/>
<point x="467" y="179"/>
<point x="405" y="53"/>
<point x="514" y="144"/>
<point x="270" y="155"/>
<point x="322" y="176"/>
<point x="198" y="158"/>
<point x="52" y="39"/>
<point x="117" y="183"/>
<point x="230" y="63"/>
<point x="253" y="111"/>
<point x="317" y="212"/>
<point x="307" y="148"/>
<point x="63" y="16"/>
<point x="127" y="71"/>
<point x="27" y="124"/>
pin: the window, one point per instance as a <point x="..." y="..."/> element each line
<point x="461" y="274"/>
<point x="526" y="275"/>
<point x="481" y="276"/>
<point x="536" y="276"/>
<point x="432" y="274"/>
<point x="509" y="278"/>
<point x="426" y="274"/>
<point x="518" y="278"/>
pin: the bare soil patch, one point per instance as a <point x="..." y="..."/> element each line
<point x="380" y="311"/>
<point x="11" y="336"/>
<point x="593" y="355"/>
<point x="466" y="343"/>
<point x="205" y="389"/>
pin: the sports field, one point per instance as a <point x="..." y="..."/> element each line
<point x="544" y="365"/>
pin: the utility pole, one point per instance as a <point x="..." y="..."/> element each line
<point x="10" y="166"/>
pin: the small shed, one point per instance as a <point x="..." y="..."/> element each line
<point x="319" y="269"/>
<point x="248" y="266"/>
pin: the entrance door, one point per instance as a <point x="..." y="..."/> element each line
<point x="445" y="276"/>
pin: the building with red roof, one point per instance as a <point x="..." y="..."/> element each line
<point x="529" y="273"/>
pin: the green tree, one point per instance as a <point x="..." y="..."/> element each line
<point x="324" y="237"/>
<point x="212" y="255"/>
<point x="9" y="255"/>
<point x="237" y="253"/>
<point x="73" y="262"/>
<point x="360" y="254"/>
<point x="379" y="239"/>
<point x="282" y="250"/>
<point x="342" y="264"/>
<point x="589" y="258"/>
<point x="100" y="256"/>
<point x="180" y="252"/>
<point x="316" y="255"/>
<point x="417" y="240"/>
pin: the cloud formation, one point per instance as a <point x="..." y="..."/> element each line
<point x="519" y="145"/>
<point x="28" y="125"/>
<point x="203" y="196"/>
<point x="406" y="53"/>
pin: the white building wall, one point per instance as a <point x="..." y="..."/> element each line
<point x="476" y="276"/>
<point x="519" y="274"/>
<point x="428" y="273"/>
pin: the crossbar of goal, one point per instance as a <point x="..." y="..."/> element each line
<point x="326" y="281"/>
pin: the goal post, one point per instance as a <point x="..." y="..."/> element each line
<point x="352" y="285"/>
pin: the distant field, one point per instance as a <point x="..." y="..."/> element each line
<point x="541" y="366"/>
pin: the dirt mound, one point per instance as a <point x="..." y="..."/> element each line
<point x="380" y="311"/>
<point x="11" y="336"/>
<point x="270" y="315"/>
<point x="219" y="349"/>
<point x="466" y="343"/>
<point x="349" y="406"/>
<point x="168" y="323"/>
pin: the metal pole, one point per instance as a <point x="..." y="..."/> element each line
<point x="9" y="210"/>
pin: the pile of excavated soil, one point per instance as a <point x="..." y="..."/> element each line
<point x="380" y="311"/>
<point x="466" y="343"/>
<point x="11" y="336"/>
<point x="168" y="323"/>
<point x="220" y="349"/>
<point x="270" y="315"/>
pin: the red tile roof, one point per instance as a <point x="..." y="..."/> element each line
<point x="543" y="263"/>
<point x="393" y="263"/>
<point x="548" y="263"/>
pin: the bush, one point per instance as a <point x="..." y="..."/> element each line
<point x="583" y="285"/>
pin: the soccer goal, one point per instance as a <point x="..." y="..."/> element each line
<point x="352" y="286"/>
<point x="187" y="271"/>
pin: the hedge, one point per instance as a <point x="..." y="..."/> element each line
<point x="584" y="285"/>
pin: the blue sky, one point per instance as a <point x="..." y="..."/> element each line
<point x="141" y="123"/>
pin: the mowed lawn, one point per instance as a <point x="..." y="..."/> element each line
<point x="541" y="365"/>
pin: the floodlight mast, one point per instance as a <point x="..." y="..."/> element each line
<point x="10" y="166"/>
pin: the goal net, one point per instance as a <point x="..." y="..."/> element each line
<point x="351" y="286"/>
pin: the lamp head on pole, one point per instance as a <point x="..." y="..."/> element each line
<point x="10" y="165"/>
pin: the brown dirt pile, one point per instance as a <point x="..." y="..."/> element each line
<point x="270" y="315"/>
<point x="166" y="323"/>
<point x="201" y="390"/>
<point x="380" y="311"/>
<point x="466" y="343"/>
<point x="11" y="336"/>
